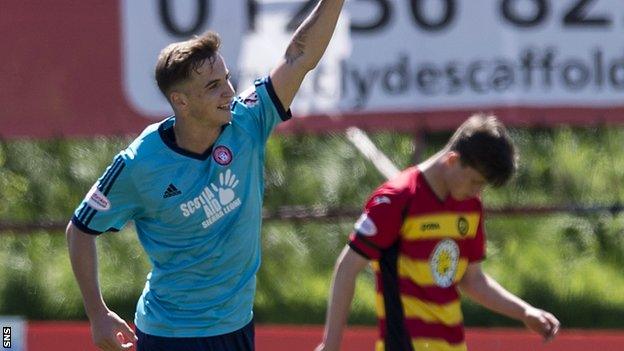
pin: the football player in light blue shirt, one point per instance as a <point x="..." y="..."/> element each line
<point x="193" y="185"/>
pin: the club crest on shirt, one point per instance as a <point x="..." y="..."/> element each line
<point x="222" y="155"/>
<point x="365" y="225"/>
<point x="462" y="226"/>
<point x="97" y="200"/>
<point x="443" y="262"/>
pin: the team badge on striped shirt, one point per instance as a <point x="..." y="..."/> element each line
<point x="462" y="226"/>
<point x="443" y="263"/>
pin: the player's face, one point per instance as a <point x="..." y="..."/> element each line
<point x="209" y="93"/>
<point x="464" y="182"/>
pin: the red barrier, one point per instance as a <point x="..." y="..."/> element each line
<point x="75" y="336"/>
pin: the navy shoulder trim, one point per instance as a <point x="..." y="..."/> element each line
<point x="83" y="227"/>
<point x="167" y="136"/>
<point x="358" y="251"/>
<point x="367" y="242"/>
<point x="284" y="115"/>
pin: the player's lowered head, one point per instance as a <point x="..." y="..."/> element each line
<point x="196" y="81"/>
<point x="479" y="153"/>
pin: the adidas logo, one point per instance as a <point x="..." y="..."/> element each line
<point x="171" y="191"/>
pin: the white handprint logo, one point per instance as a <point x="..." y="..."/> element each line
<point x="227" y="183"/>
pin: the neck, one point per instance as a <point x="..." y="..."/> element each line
<point x="195" y="137"/>
<point x="433" y="171"/>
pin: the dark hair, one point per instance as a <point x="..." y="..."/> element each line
<point x="177" y="60"/>
<point x="483" y="143"/>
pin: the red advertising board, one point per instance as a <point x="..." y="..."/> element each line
<point x="61" y="73"/>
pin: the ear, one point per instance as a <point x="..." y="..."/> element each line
<point x="178" y="100"/>
<point x="451" y="158"/>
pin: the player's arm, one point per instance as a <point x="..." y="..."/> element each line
<point x="348" y="265"/>
<point x="105" y="324"/>
<point x="484" y="290"/>
<point x="305" y="50"/>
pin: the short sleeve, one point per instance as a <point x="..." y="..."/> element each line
<point x="111" y="202"/>
<point x="379" y="225"/>
<point x="262" y="105"/>
<point x="475" y="248"/>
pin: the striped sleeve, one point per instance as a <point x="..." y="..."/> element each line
<point x="110" y="203"/>
<point x="379" y="225"/>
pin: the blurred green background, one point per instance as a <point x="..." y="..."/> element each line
<point x="568" y="263"/>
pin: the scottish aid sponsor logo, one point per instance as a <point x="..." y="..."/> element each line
<point x="215" y="200"/>
<point x="227" y="196"/>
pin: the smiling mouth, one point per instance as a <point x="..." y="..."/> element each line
<point x="224" y="107"/>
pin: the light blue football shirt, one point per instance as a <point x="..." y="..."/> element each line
<point x="198" y="218"/>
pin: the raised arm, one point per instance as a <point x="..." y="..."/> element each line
<point x="484" y="290"/>
<point x="109" y="332"/>
<point x="305" y="50"/>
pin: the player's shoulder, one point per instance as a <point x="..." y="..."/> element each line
<point x="401" y="188"/>
<point x="473" y="203"/>
<point x="404" y="182"/>
<point x="148" y="143"/>
<point x="142" y="148"/>
<point x="250" y="97"/>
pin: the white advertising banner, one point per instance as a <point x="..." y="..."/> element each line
<point x="401" y="55"/>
